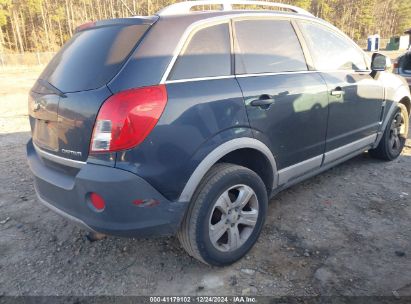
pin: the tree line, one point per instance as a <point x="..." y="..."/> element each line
<point x="44" y="25"/>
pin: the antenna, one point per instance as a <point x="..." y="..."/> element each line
<point x="133" y="13"/>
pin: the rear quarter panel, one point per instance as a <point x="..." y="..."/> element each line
<point x="199" y="116"/>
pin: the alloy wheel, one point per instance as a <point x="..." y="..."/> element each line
<point x="396" y="132"/>
<point x="233" y="218"/>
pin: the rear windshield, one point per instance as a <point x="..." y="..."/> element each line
<point x="92" y="57"/>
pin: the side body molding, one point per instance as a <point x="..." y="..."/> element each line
<point x="218" y="153"/>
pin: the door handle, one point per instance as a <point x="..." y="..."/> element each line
<point x="337" y="92"/>
<point x="263" y="101"/>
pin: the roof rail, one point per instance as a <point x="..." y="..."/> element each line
<point x="226" y="5"/>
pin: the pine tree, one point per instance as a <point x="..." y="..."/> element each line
<point x="41" y="25"/>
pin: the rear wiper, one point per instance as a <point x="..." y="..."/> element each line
<point x="50" y="87"/>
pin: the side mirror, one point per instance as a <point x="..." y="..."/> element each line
<point x="380" y="62"/>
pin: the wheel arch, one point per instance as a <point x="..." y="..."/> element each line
<point x="230" y="151"/>
<point x="254" y="160"/>
<point x="402" y="97"/>
<point x="406" y="101"/>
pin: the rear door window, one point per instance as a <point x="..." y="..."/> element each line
<point x="92" y="57"/>
<point x="207" y="53"/>
<point x="267" y="46"/>
<point x="331" y="51"/>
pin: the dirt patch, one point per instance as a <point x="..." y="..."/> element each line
<point x="344" y="232"/>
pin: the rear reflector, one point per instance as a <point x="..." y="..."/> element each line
<point x="97" y="201"/>
<point x="126" y="118"/>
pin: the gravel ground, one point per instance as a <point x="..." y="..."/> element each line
<point x="344" y="232"/>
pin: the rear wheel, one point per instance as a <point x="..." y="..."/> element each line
<point x="225" y="216"/>
<point x="395" y="135"/>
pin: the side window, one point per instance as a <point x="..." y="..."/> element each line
<point x="267" y="46"/>
<point x="206" y="54"/>
<point x="331" y="51"/>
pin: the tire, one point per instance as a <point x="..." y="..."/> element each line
<point x="212" y="212"/>
<point x="394" y="137"/>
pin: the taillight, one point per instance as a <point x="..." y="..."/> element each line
<point x="396" y="65"/>
<point x="126" y="118"/>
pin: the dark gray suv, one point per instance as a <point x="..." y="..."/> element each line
<point x="188" y="122"/>
<point x="402" y="66"/>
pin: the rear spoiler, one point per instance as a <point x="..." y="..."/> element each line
<point x="137" y="20"/>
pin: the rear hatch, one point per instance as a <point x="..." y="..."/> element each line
<point x="65" y="100"/>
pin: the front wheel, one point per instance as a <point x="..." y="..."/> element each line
<point x="393" y="140"/>
<point x="225" y="216"/>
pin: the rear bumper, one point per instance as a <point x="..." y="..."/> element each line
<point x="66" y="194"/>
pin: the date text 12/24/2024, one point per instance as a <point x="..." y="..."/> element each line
<point x="203" y="299"/>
